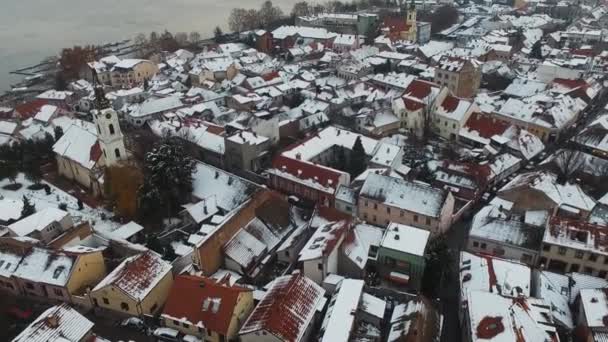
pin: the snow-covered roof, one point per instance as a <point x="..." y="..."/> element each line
<point x="37" y="221"/>
<point x="411" y="196"/>
<point x="555" y="290"/>
<point x="244" y="248"/>
<point x="156" y="105"/>
<point x="486" y="273"/>
<point x="324" y="240"/>
<point x="357" y="246"/>
<point x="127" y="230"/>
<point x="128" y="63"/>
<point x="405" y="239"/>
<point x="60" y="323"/>
<point x="373" y="305"/>
<point x="229" y="190"/>
<point x="9" y="261"/>
<point x="46" y="266"/>
<point x="10" y="209"/>
<point x="55" y="95"/>
<point x="202" y="210"/>
<point x="453" y="108"/>
<point x="302" y="31"/>
<point x="523" y="87"/>
<point x="339" y="319"/>
<point x="328" y="138"/>
<point x="79" y="145"/>
<point x="594" y="303"/>
<point x="45" y="113"/>
<point x="561" y="194"/>
<point x="136" y="276"/>
<point x="499" y="319"/>
<point x="490" y="223"/>
<point x="287" y="309"/>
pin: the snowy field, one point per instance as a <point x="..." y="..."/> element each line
<point x="41" y="200"/>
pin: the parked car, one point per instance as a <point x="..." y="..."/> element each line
<point x="167" y="334"/>
<point x="134" y="323"/>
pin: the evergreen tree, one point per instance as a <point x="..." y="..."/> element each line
<point x="153" y="243"/>
<point x="536" y="51"/>
<point x="218" y="35"/>
<point x="146" y="84"/>
<point x="32" y="170"/>
<point x="170" y="254"/>
<point x="80" y="204"/>
<point x="168" y="177"/>
<point x="357" y="158"/>
<point x="58" y="132"/>
<point x="28" y="208"/>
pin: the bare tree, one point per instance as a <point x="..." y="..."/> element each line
<point x="236" y="21"/>
<point x="301" y="9"/>
<point x="195" y="37"/>
<point x="568" y="162"/>
<point x="427" y="117"/>
<point x="181" y="38"/>
<point x="269" y="13"/>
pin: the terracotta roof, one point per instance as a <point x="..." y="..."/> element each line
<point x="419" y="89"/>
<point x="305" y="170"/>
<point x="31" y="108"/>
<point x="95" y="152"/>
<point x="411" y="104"/>
<point x="203" y="293"/>
<point x="485" y="125"/>
<point x="450" y="103"/>
<point x="570" y="83"/>
<point x="287" y="309"/>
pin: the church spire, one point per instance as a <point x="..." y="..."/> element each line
<point x="101" y="102"/>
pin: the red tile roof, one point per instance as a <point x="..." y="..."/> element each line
<point x="31" y="108"/>
<point x="570" y="83"/>
<point x="189" y="294"/>
<point x="450" y="103"/>
<point x="485" y="125"/>
<point x="287" y="309"/>
<point x="306" y="171"/>
<point x="411" y="104"/>
<point x="95" y="152"/>
<point x="419" y="89"/>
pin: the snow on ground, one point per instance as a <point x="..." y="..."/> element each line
<point x="41" y="200"/>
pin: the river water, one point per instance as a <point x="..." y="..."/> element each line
<point x="31" y="30"/>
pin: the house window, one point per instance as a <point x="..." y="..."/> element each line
<point x="401" y="213"/>
<point x="415" y="218"/>
<point x="579" y="254"/>
<point x="588" y="270"/>
<point x="287" y="254"/>
<point x="526" y="258"/>
<point x="153" y="307"/>
<point x="428" y="221"/>
<point x="111" y="128"/>
<point x="375" y="205"/>
<point x="365" y="216"/>
<point x="475" y="244"/>
<point x="374" y="218"/>
<point x="186" y="325"/>
<point x="176" y="322"/>
<point x="366" y="203"/>
<point x="547" y="248"/>
<point x="58" y="292"/>
<point x="105" y="300"/>
<point x="574" y="267"/>
<point x="483" y="245"/>
<point x="29" y="286"/>
<point x="562" y="251"/>
<point x="602" y="274"/>
<point x="124" y="306"/>
<point x="117" y="153"/>
<point x="606" y="260"/>
<point x="388" y="210"/>
<point x="593" y="257"/>
<point x="320" y="266"/>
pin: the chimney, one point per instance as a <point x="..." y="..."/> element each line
<point x="52" y="321"/>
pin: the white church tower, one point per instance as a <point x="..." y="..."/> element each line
<point x="110" y="136"/>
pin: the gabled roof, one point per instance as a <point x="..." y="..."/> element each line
<point x="79" y="145"/>
<point x="287" y="308"/>
<point x="411" y="196"/>
<point x="210" y="303"/>
<point x="59" y="323"/>
<point x="136" y="276"/>
<point x="324" y="240"/>
<point x="46" y="266"/>
<point x="37" y="221"/>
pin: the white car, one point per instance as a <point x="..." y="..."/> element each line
<point x="167" y="334"/>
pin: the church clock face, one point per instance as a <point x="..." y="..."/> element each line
<point x="108" y="116"/>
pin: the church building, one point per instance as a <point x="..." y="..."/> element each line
<point x="86" y="149"/>
<point x="396" y="27"/>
